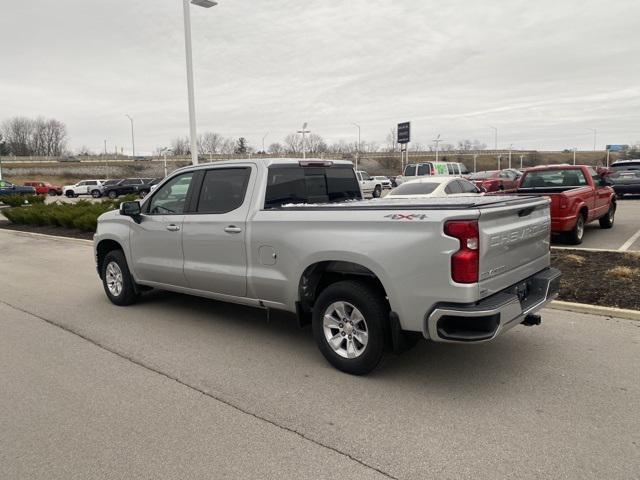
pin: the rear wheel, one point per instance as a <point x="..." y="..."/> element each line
<point x="377" y="192"/>
<point x="574" y="237"/>
<point x="113" y="194"/>
<point x="117" y="280"/>
<point x="349" y="326"/>
<point x="607" y="220"/>
<point x="96" y="193"/>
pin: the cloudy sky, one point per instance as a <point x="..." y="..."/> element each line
<point x="542" y="72"/>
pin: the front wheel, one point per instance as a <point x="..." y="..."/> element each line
<point x="69" y="194"/>
<point x="377" y="192"/>
<point x="349" y="326"/>
<point x="607" y="220"/>
<point x="113" y="194"/>
<point x="574" y="237"/>
<point x="117" y="280"/>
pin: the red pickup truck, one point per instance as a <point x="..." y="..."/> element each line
<point x="44" y="188"/>
<point x="578" y="193"/>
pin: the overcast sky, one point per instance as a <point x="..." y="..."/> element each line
<point x="543" y="72"/>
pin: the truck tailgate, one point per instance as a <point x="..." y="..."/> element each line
<point x="514" y="243"/>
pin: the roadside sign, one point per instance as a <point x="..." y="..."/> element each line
<point x="404" y="132"/>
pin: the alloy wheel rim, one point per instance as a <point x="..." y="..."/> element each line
<point x="113" y="279"/>
<point x="580" y="229"/>
<point x="345" y="329"/>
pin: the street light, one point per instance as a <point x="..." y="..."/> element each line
<point x="574" y="154"/>
<point x="495" y="145"/>
<point x="190" y="94"/>
<point x="303" y="132"/>
<point x="133" y="140"/>
<point x="510" y="148"/>
<point x="595" y="134"/>
<point x="358" y="148"/>
<point x="437" y="141"/>
<point x="263" y="150"/>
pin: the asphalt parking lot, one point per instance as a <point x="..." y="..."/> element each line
<point x="180" y="387"/>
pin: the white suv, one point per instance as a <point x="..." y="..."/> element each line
<point x="85" y="187"/>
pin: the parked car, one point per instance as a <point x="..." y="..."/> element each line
<point x="287" y="234"/>
<point x="384" y="181"/>
<point x="8" y="188"/>
<point x="431" y="169"/>
<point x="44" y="188"/>
<point x="368" y="184"/>
<point x="625" y="181"/>
<point x="148" y="185"/>
<point x="579" y="195"/>
<point x="123" y="187"/>
<point x="497" y="180"/>
<point x="631" y="164"/>
<point x="425" y="187"/>
<point x="85" y="187"/>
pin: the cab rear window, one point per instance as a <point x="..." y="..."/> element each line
<point x="296" y="184"/>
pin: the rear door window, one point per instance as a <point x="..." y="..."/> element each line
<point x="453" y="187"/>
<point x="450" y="169"/>
<point x="295" y="184"/>
<point x="223" y="190"/>
<point x="424" y="169"/>
<point x="467" y="187"/>
<point x="410" y="171"/>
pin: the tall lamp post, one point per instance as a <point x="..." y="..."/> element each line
<point x="263" y="150"/>
<point x="595" y="135"/>
<point x="510" y="149"/>
<point x="358" y="147"/>
<point x="187" y="49"/>
<point x="437" y="141"/>
<point x="304" y="131"/>
<point x="495" y="138"/>
<point x="133" y="139"/>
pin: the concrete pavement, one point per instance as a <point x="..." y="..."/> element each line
<point x="184" y="386"/>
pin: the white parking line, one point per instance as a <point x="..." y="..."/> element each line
<point x="625" y="246"/>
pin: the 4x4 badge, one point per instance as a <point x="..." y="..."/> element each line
<point x="406" y="216"/>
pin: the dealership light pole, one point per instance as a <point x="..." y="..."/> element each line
<point x="133" y="139"/>
<point x="510" y="149"/>
<point x="358" y="147"/>
<point x="190" y="94"/>
<point x="304" y="131"/>
<point x="574" y="154"/>
<point x="437" y="141"/>
<point x="595" y="134"/>
<point x="495" y="137"/>
<point x="264" y="152"/>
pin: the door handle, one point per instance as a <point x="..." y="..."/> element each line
<point x="232" y="229"/>
<point x="172" y="227"/>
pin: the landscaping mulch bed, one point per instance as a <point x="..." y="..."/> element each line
<point x="609" y="279"/>
<point x="48" y="230"/>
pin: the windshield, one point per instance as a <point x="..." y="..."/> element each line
<point x="422" y="188"/>
<point x="482" y="175"/>
<point x="554" y="178"/>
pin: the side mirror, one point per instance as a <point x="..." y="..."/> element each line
<point x="130" y="209"/>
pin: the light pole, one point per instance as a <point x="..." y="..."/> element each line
<point x="574" y="155"/>
<point x="106" y="162"/>
<point x="164" y="154"/>
<point x="475" y="158"/>
<point x="190" y="94"/>
<point x="133" y="140"/>
<point x="521" y="157"/>
<point x="358" y="147"/>
<point x="595" y="134"/>
<point x="437" y="141"/>
<point x="304" y="131"/>
<point x="510" y="148"/>
<point x="495" y="138"/>
<point x="263" y="150"/>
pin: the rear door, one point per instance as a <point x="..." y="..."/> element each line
<point x="514" y="243"/>
<point x="214" y="233"/>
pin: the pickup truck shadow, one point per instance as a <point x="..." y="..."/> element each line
<point x="487" y="367"/>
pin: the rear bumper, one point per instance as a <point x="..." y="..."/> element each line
<point x="494" y="315"/>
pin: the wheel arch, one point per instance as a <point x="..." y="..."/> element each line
<point x="103" y="248"/>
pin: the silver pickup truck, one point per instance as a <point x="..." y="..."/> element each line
<point x="369" y="275"/>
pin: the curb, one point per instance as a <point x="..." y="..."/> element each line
<point x="587" y="249"/>
<point x="595" y="310"/>
<point x="50" y="237"/>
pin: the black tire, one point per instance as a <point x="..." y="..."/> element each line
<point x="112" y="194"/>
<point x="375" y="311"/>
<point x="574" y="237"/>
<point x="96" y="193"/>
<point x="69" y="194"/>
<point x="52" y="193"/>
<point x="377" y="192"/>
<point x="609" y="218"/>
<point x="128" y="293"/>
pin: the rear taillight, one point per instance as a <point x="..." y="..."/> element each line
<point x="465" y="263"/>
<point x="563" y="202"/>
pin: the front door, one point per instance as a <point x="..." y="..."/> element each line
<point x="214" y="233"/>
<point x="156" y="241"/>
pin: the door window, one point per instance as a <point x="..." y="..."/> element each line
<point x="223" y="190"/>
<point x="467" y="187"/>
<point x="424" y="169"/>
<point x="450" y="169"/>
<point x="410" y="171"/>
<point x="453" y="187"/>
<point x="170" y="199"/>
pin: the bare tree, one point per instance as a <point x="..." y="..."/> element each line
<point x="228" y="146"/>
<point x="293" y="143"/>
<point x="181" y="146"/>
<point x="392" y="141"/>
<point x="276" y="148"/>
<point x="210" y="142"/>
<point x="314" y="143"/>
<point x="467" y="144"/>
<point x="17" y="132"/>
